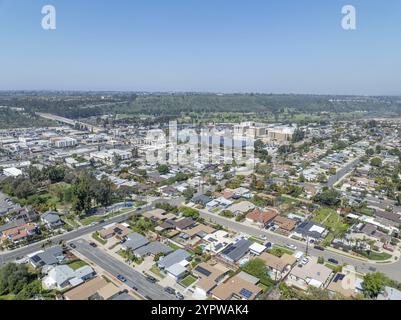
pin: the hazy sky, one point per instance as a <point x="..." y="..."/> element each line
<point x="279" y="46"/>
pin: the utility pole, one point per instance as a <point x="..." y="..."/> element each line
<point x="307" y="245"/>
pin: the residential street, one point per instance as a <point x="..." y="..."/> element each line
<point x="115" y="267"/>
<point x="390" y="269"/>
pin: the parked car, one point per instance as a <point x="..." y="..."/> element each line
<point x="331" y="260"/>
<point x="121" y="278"/>
<point x="73" y="246"/>
<point x="269" y="245"/>
<point x="291" y="246"/>
<point x="179" y="296"/>
<point x="304" y="261"/>
<point x="92" y="244"/>
<point x="151" y="279"/>
<point x="169" y="290"/>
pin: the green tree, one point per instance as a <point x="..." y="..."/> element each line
<point x="13" y="278"/>
<point x="163" y="169"/>
<point x="82" y="193"/>
<point x="376" y="162"/>
<point x="104" y="192"/>
<point x="373" y="284"/>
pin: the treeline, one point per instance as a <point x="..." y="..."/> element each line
<point x="82" y="106"/>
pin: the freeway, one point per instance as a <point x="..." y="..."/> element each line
<point x="116" y="267"/>
<point x="392" y="270"/>
<point x="20" y="253"/>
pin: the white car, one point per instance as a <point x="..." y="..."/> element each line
<point x="304" y="261"/>
<point x="291" y="246"/>
<point x="263" y="237"/>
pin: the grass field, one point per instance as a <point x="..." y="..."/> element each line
<point x="188" y="280"/>
<point x="92" y="219"/>
<point x="75" y="265"/>
<point x="98" y="238"/>
<point x="156" y="271"/>
<point x="332" y="220"/>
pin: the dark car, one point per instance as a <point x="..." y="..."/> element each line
<point x="179" y="296"/>
<point x="334" y="261"/>
<point x="169" y="290"/>
<point x="151" y="279"/>
<point x="268" y="245"/>
<point x="121" y="278"/>
<point x="92" y="244"/>
<point x="319" y="248"/>
<point x="73" y="245"/>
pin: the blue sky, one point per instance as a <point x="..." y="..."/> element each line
<point x="279" y="46"/>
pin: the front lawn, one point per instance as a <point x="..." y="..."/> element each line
<point x="156" y="271"/>
<point x="97" y="237"/>
<point x="188" y="280"/>
<point x="75" y="265"/>
<point x="332" y="220"/>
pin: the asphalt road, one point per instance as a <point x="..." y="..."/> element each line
<point x="392" y="270"/>
<point x="116" y="267"/>
<point x="22" y="252"/>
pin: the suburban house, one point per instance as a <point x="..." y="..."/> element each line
<point x="285" y="224"/>
<point x="201" y="199"/>
<point x="152" y="249"/>
<point x="241" y="207"/>
<point x="261" y="217"/>
<point x="217" y="241"/>
<point x="50" y="257"/>
<point x="95" y="289"/>
<point x="310" y="274"/>
<point x="51" y="219"/>
<point x="200" y="230"/>
<point x="239" y="287"/>
<point x="62" y="277"/>
<point x="311" y="230"/>
<point x="21" y="233"/>
<point x="134" y="241"/>
<point x="235" y="251"/>
<point x="343" y="283"/>
<point x="221" y="202"/>
<point x="175" y="264"/>
<point x="210" y="275"/>
<point x="257" y="249"/>
<point x="156" y="215"/>
<point x="390" y="294"/>
<point x="119" y="230"/>
<point x="279" y="266"/>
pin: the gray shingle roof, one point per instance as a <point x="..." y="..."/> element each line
<point x="173" y="258"/>
<point x="153" y="248"/>
<point x="236" y="251"/>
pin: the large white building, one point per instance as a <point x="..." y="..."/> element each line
<point x="109" y="156"/>
<point x="63" y="142"/>
<point x="12" y="172"/>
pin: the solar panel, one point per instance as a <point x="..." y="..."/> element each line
<point x="339" y="277"/>
<point x="203" y="271"/>
<point x="36" y="258"/>
<point x="246" y="293"/>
